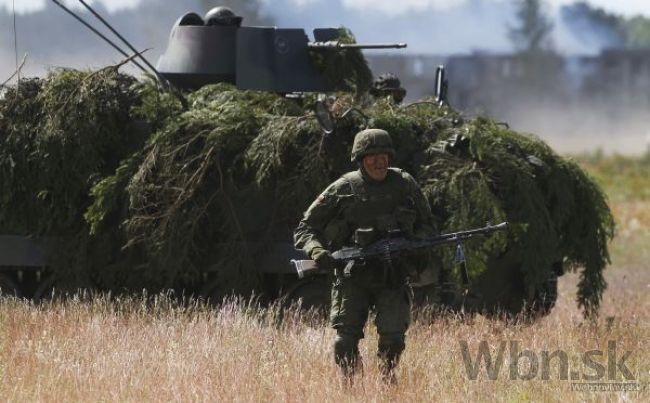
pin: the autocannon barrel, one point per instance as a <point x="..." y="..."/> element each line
<point x="339" y="45"/>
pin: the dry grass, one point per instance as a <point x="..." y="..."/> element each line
<point x="127" y="350"/>
<point x="106" y="349"/>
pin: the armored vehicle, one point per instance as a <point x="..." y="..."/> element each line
<point x="203" y="195"/>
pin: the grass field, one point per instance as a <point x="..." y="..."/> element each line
<point x="126" y="350"/>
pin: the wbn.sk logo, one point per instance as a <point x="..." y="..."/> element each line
<point x="527" y="364"/>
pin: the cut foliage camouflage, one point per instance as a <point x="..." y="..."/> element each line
<point x="131" y="191"/>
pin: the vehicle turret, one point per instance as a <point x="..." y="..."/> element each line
<point x="218" y="49"/>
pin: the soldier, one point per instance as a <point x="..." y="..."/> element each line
<point x="223" y="16"/>
<point x="363" y="206"/>
<point x="388" y="84"/>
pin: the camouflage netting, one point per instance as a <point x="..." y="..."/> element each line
<point x="344" y="69"/>
<point x="59" y="136"/>
<point x="142" y="194"/>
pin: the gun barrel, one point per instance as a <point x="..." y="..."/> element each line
<point x="339" y="45"/>
<point x="477" y="231"/>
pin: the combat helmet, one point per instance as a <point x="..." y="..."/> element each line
<point x="372" y="141"/>
<point x="222" y="16"/>
<point x="388" y="84"/>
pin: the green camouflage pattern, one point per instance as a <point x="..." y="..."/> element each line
<point x="354" y="202"/>
<point x="352" y="297"/>
<point x="393" y="204"/>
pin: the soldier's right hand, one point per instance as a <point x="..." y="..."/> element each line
<point x="324" y="259"/>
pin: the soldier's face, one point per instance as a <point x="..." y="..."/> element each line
<point x="376" y="166"/>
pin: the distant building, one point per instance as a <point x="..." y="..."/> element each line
<point x="604" y="95"/>
<point x="620" y="76"/>
<point x="477" y="79"/>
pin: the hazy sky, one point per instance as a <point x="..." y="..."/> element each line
<point x="31" y="5"/>
<point x="627" y="7"/>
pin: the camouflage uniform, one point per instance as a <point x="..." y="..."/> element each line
<point x="356" y="201"/>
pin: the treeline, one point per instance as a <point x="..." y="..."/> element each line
<point x="616" y="30"/>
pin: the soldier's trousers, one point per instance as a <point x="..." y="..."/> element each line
<point x="352" y="299"/>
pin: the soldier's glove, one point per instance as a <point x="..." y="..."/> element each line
<point x="324" y="259"/>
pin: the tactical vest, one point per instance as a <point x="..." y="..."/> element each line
<point x="381" y="206"/>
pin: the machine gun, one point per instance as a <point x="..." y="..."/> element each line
<point x="384" y="249"/>
<point x="340" y="45"/>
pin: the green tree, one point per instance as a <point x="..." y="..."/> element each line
<point x="538" y="66"/>
<point x="532" y="32"/>
<point x="587" y="23"/>
<point x="638" y="32"/>
<point x="631" y="32"/>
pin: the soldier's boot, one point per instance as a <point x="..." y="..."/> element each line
<point x="346" y="356"/>
<point x="389" y="351"/>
